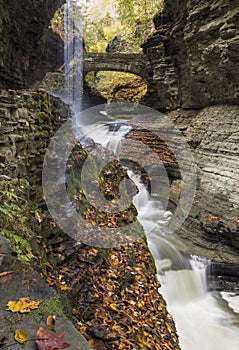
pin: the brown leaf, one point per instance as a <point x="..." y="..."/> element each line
<point x="5" y="273"/>
<point x="46" y="341"/>
<point x="51" y="322"/>
<point x="38" y="217"/>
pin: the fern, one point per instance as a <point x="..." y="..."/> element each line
<point x="6" y="212"/>
<point x="19" y="244"/>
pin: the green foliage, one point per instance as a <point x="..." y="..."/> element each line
<point x="118" y="85"/>
<point x="136" y="18"/>
<point x="19" y="244"/>
<point x="13" y="215"/>
<point x="131" y="20"/>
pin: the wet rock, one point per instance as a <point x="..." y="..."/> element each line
<point x="21" y="282"/>
<point x="28" y="119"/>
<point x="212" y="227"/>
<point x="28" y="47"/>
<point x="194" y="55"/>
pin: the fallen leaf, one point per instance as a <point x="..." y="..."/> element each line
<point x="91" y="342"/>
<point x="139" y="304"/>
<point x="113" y="307"/>
<point x="38" y="217"/>
<point x="22" y="305"/>
<point x="82" y="329"/>
<point x="51" y="322"/>
<point x="62" y="286"/>
<point x="5" y="273"/>
<point x="20" y="336"/>
<point x="46" y="341"/>
<point x="47" y="265"/>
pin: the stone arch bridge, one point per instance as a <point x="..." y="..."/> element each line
<point x="131" y="63"/>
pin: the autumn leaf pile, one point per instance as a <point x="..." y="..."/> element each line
<point x="112" y="293"/>
<point x="114" y="297"/>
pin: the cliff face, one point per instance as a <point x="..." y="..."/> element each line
<point x="28" y="120"/>
<point x="194" y="54"/>
<point x="28" y="47"/>
<point x="212" y="226"/>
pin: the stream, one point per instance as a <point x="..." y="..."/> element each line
<point x="203" y="319"/>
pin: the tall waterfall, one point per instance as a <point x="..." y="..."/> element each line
<point x="73" y="55"/>
<point x="203" y="320"/>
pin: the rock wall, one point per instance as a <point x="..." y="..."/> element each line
<point x="28" y="48"/>
<point x="212" y="227"/>
<point x="194" y="54"/>
<point x="28" y="120"/>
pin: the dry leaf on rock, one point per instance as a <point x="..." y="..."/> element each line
<point x="20" y="336"/>
<point x="51" y="322"/>
<point x="5" y="273"/>
<point x="46" y="341"/>
<point x="22" y="305"/>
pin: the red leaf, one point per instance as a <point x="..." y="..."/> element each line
<point x="46" y="341"/>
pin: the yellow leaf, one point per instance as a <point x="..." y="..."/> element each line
<point x="20" y="336"/>
<point x="82" y="329"/>
<point x="113" y="307"/>
<point x="62" y="286"/>
<point x="51" y="322"/>
<point x="38" y="217"/>
<point x="91" y="342"/>
<point x="27" y="123"/>
<point x="22" y="305"/>
<point x="143" y="342"/>
<point x="139" y="304"/>
<point x="169" y="327"/>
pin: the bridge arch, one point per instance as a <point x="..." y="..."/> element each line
<point x="129" y="63"/>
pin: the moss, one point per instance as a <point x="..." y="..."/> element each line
<point x="14" y="215"/>
<point x="51" y="306"/>
<point x="118" y="86"/>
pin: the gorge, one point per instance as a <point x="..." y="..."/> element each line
<point x="192" y="77"/>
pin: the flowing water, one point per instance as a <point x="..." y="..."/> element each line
<point x="203" y="319"/>
<point x="73" y="55"/>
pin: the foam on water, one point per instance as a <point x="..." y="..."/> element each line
<point x="202" y="322"/>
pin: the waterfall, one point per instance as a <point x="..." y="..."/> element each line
<point x="203" y="321"/>
<point x="73" y="55"/>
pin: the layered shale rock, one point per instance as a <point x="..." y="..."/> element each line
<point x="28" y="120"/>
<point x="194" y="54"/>
<point x="28" y="47"/>
<point x="212" y="227"/>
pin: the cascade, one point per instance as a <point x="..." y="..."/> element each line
<point x="202" y="319"/>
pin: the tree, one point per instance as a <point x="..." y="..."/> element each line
<point x="136" y="17"/>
